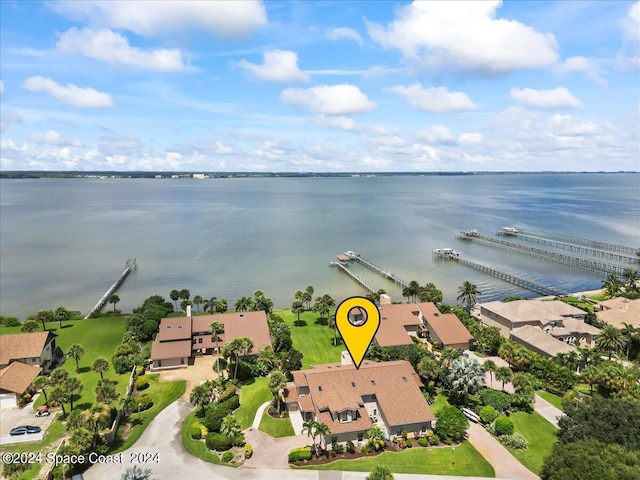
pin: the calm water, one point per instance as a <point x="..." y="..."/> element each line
<point x="64" y="241"/>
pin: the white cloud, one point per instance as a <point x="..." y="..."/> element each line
<point x="467" y="139"/>
<point x="51" y="137"/>
<point x="434" y="99"/>
<point x="224" y="19"/>
<point x="436" y="134"/>
<point x="69" y="93"/>
<point x="1" y="87"/>
<point x="568" y="126"/>
<point x="582" y="64"/>
<point x="342" y="99"/>
<point x="632" y="23"/>
<point x="338" y="122"/>
<point x="629" y="57"/>
<point x="277" y="66"/>
<point x="466" y="36"/>
<point x="345" y="33"/>
<point x="222" y="149"/>
<point x="546" y="99"/>
<point x="114" y="48"/>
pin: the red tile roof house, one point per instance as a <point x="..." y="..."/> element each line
<point x="22" y="357"/>
<point x="181" y="339"/>
<point x="399" y="322"/>
<point x="350" y="401"/>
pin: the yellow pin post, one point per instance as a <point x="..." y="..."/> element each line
<point x="357" y="320"/>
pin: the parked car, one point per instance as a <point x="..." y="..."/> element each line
<point x="24" y="429"/>
<point x="43" y="413"/>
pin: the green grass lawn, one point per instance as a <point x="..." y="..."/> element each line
<point x="251" y="397"/>
<point x="439" y="403"/>
<point x="554" y="400"/>
<point x="276" y="427"/>
<point x="541" y="436"/>
<point x="313" y="340"/>
<point x="163" y="394"/>
<point x="197" y="448"/>
<point x="430" y="460"/>
<point x="99" y="337"/>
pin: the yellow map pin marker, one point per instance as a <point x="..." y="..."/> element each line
<point x="357" y="319"/>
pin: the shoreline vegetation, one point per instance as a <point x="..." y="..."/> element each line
<point x="24" y="174"/>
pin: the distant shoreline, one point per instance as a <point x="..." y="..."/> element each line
<point x="202" y="175"/>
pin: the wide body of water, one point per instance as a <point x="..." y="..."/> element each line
<point x="63" y="242"/>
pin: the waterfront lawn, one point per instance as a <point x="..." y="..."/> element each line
<point x="251" y="397"/>
<point x="554" y="400"/>
<point x="541" y="436"/>
<point x="197" y="448"/>
<point x="99" y="337"/>
<point x="428" y="461"/>
<point x="313" y="340"/>
<point x="163" y="394"/>
<point x="276" y="427"/>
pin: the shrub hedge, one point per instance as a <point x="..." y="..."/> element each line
<point x="218" y="442"/>
<point x="248" y="451"/>
<point x="227" y="457"/>
<point x="299" y="454"/>
<point x="142" y="383"/>
<point x="504" y="426"/>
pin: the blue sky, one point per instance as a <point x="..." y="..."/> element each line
<point x="320" y="86"/>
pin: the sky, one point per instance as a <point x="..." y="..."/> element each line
<point x="320" y="86"/>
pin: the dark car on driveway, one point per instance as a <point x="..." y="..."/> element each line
<point x="24" y="429"/>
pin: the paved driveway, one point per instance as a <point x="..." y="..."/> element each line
<point x="200" y="371"/>
<point x="14" y="417"/>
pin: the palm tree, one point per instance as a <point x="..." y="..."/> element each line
<point x="308" y="295"/>
<point x="309" y="426"/>
<point x="58" y="396"/>
<point x="221" y="305"/>
<point x="507" y="352"/>
<point x="76" y="351"/>
<point x="297" y="307"/>
<point x="243" y="304"/>
<point x="210" y="304"/>
<point x="490" y="366"/>
<point x="380" y="473"/>
<point x="630" y="334"/>
<point x="184" y="294"/>
<point x="184" y="304"/>
<point x="504" y="374"/>
<point x="200" y="396"/>
<point x="216" y="328"/>
<point x="100" y="365"/>
<point x="466" y="375"/>
<point x="468" y="293"/>
<point x="136" y="473"/>
<point x="174" y="295"/>
<point x="106" y="391"/>
<point x="522" y="382"/>
<point x="612" y="286"/>
<point x="44" y="316"/>
<point x="197" y="301"/>
<point x="230" y="426"/>
<point x="73" y="386"/>
<point x="611" y="340"/>
<point x="40" y="383"/>
<point x="414" y="286"/>
<point x="57" y="377"/>
<point x="630" y="279"/>
<point x="334" y="325"/>
<point x="428" y="369"/>
<point x="406" y="292"/>
<point x="322" y="430"/>
<point x="277" y="381"/>
<point x="61" y="314"/>
<point x="114" y="299"/>
<point x="81" y="439"/>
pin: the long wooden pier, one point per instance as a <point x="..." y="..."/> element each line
<point x="129" y="266"/>
<point x="571" y="247"/>
<point x="565" y="259"/>
<point x="385" y="273"/>
<point x="509" y="277"/>
<point x="581" y="241"/>
<point x="354" y="276"/>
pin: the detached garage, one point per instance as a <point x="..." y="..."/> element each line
<point x="15" y="380"/>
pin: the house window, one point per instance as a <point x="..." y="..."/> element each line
<point x="182" y="361"/>
<point x="583" y="340"/>
<point x="334" y="439"/>
<point x="200" y="340"/>
<point x="399" y="432"/>
<point x="360" y="437"/>
<point x="423" y="428"/>
<point x="159" y="363"/>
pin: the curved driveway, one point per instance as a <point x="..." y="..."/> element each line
<point x="162" y="436"/>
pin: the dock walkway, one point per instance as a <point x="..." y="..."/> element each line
<point x="549" y="255"/>
<point x="129" y="266"/>
<point x="385" y="273"/>
<point x="581" y="241"/>
<point x="354" y="276"/>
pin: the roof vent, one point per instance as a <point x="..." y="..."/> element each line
<point x="319" y="388"/>
<point x="179" y="327"/>
<point x="353" y="384"/>
<point x="242" y="315"/>
<point x="168" y="326"/>
<point x="404" y="378"/>
<point x="373" y="382"/>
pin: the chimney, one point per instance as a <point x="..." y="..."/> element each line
<point x="188" y="310"/>
<point x="385" y="299"/>
<point x="345" y="358"/>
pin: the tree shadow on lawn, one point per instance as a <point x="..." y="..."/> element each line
<point x="321" y="321"/>
<point x="82" y="406"/>
<point x="300" y="323"/>
<point x="83" y="370"/>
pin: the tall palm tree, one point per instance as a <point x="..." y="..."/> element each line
<point x="612" y="286"/>
<point x="467" y="376"/>
<point x="100" y="365"/>
<point x="243" y="304"/>
<point x="216" y="328"/>
<point x="414" y="286"/>
<point x="175" y="296"/>
<point x="200" y="396"/>
<point x="308" y="295"/>
<point x="40" y="383"/>
<point x="197" y="301"/>
<point x="277" y="381"/>
<point x="630" y="334"/>
<point x="58" y="396"/>
<point x="73" y="387"/>
<point x="222" y="305"/>
<point x="309" y="427"/>
<point x="297" y="308"/>
<point x="468" y="294"/>
<point x="490" y="366"/>
<point x="630" y="277"/>
<point x="322" y="430"/>
<point x="114" y="299"/>
<point x="610" y="340"/>
<point x="61" y="314"/>
<point x="185" y="294"/>
<point x="522" y="382"/>
<point x="504" y="374"/>
<point x="76" y="351"/>
<point x="44" y="316"/>
<point x="210" y="304"/>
